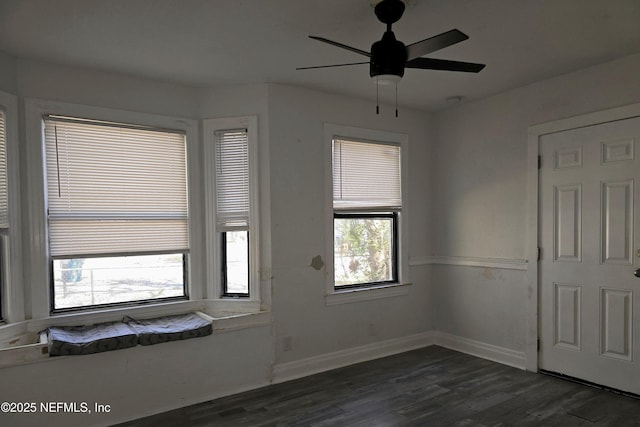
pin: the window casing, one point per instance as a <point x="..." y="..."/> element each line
<point x="366" y="182"/>
<point x="117" y="213"/>
<point x="231" y="171"/>
<point x="203" y="267"/>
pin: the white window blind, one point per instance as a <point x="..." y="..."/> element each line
<point x="232" y="179"/>
<point x="115" y="189"/>
<point x="366" y="175"/>
<point x="4" y="189"/>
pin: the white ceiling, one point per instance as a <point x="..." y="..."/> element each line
<point x="223" y="42"/>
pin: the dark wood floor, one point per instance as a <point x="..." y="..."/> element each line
<point x="427" y="387"/>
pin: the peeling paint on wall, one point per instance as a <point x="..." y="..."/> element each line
<point x="317" y="263"/>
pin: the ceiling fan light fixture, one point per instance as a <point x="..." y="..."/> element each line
<point x="387" y="79"/>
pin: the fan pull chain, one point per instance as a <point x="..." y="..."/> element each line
<point x="377" y="97"/>
<point x="396" y="99"/>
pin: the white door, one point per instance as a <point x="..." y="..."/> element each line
<point x="589" y="238"/>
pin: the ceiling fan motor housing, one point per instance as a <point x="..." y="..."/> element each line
<point x="388" y="56"/>
<point x="389" y="11"/>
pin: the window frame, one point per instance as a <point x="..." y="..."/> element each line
<point x="132" y="303"/>
<point x="214" y="241"/>
<point x="224" y="268"/>
<point x="393" y="215"/>
<point x="39" y="277"/>
<point x="184" y="253"/>
<point x="367" y="291"/>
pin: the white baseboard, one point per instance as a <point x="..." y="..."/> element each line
<point x="325" y="362"/>
<point x="516" y="359"/>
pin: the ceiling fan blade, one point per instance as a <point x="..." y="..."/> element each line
<point x="343" y="46"/>
<point x="443" y="64"/>
<point x="424" y="47"/>
<point x="329" y="66"/>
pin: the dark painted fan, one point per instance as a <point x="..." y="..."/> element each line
<point x="389" y="57"/>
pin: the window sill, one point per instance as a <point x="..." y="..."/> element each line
<point x="348" y="296"/>
<point x="23" y="342"/>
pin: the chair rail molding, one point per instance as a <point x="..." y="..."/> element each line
<point x="500" y="263"/>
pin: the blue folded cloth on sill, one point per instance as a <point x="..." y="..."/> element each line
<point x="77" y="340"/>
<point x="74" y="340"/>
<point x="170" y="328"/>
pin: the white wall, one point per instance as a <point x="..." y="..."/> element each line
<point x="296" y="137"/>
<point x="7" y="73"/>
<point x="140" y="381"/>
<point x="479" y="171"/>
<point x="101" y="89"/>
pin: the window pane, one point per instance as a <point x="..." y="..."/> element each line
<point x="82" y="282"/>
<point x="363" y="250"/>
<point x="236" y="262"/>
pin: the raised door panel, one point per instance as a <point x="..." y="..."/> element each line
<point x="568" y="223"/>
<point x="567" y="315"/>
<point x="617" y="222"/>
<point x="617" y="151"/>
<point x="616" y="324"/>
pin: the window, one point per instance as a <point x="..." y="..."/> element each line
<point x="117" y="213"/>
<point x="232" y="209"/>
<point x="232" y="199"/>
<point x="235" y="263"/>
<point x="132" y="213"/>
<point x="367" y="203"/>
<point x="365" y="248"/>
<point x="4" y="206"/>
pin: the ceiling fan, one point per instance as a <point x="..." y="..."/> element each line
<point x="389" y="57"/>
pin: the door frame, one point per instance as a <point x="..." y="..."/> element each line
<point x="532" y="233"/>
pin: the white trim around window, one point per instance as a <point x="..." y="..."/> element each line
<point x="12" y="292"/>
<point x="37" y="280"/>
<point x="350" y="295"/>
<point x="28" y="297"/>
<point x="213" y="236"/>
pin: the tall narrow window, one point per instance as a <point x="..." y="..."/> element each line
<point x="367" y="202"/>
<point x="233" y="209"/>
<point x="117" y="213"/>
<point x="4" y="192"/>
<point x="4" y="204"/>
